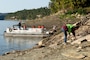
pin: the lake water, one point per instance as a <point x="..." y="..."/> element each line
<point x="8" y="44"/>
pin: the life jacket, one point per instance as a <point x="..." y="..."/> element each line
<point x="42" y="26"/>
<point x="39" y="26"/>
<point x="24" y="27"/>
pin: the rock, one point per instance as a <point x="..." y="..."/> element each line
<point x="53" y="46"/>
<point x="87" y="58"/>
<point x="88" y="22"/>
<point x="86" y="53"/>
<point x="40" y="43"/>
<point x="80" y="40"/>
<point x="20" y="53"/>
<point x="13" y="51"/>
<point x="26" y="52"/>
<point x="6" y="53"/>
<point x="79" y="49"/>
<point x="73" y="54"/>
<point x="85" y="40"/>
<point x="88" y="48"/>
<point x="83" y="30"/>
<point x="16" y="54"/>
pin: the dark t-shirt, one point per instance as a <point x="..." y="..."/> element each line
<point x="19" y="24"/>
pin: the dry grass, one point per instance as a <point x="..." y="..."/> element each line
<point x="49" y="21"/>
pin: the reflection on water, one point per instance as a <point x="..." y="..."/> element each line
<point x="17" y="43"/>
<point x="8" y="44"/>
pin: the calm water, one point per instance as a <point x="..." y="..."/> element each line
<point x="8" y="44"/>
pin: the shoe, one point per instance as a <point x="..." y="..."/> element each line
<point x="64" y="43"/>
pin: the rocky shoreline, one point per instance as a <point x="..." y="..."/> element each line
<point x="54" y="52"/>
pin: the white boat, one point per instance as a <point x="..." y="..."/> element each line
<point x="29" y="32"/>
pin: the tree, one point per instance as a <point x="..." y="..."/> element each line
<point x="57" y="5"/>
<point x="29" y="14"/>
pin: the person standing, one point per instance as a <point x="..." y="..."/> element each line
<point x="64" y="30"/>
<point x="68" y="28"/>
<point x="24" y="26"/>
<point x="19" y="25"/>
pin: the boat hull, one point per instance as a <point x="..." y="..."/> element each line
<point x="31" y="32"/>
<point x="25" y="35"/>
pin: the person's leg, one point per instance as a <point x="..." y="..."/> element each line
<point x="73" y="32"/>
<point x="65" y="35"/>
<point x="20" y="27"/>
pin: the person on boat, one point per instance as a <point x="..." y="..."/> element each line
<point x="24" y="26"/>
<point x="68" y="28"/>
<point x="39" y="26"/>
<point x="33" y="26"/>
<point x="19" y="25"/>
<point x="42" y="26"/>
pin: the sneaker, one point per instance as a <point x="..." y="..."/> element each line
<point x="64" y="43"/>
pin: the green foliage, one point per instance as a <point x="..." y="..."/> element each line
<point x="79" y="11"/>
<point x="87" y="9"/>
<point x="66" y="16"/>
<point x="29" y="14"/>
<point x="62" y="16"/>
<point x="69" y="12"/>
<point x="57" y="5"/>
